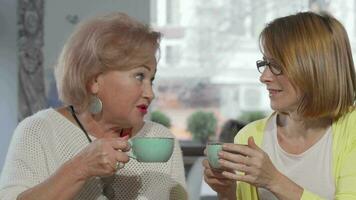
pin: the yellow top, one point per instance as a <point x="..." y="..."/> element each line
<point x="344" y="158"/>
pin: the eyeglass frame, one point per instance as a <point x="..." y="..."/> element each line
<point x="275" y="69"/>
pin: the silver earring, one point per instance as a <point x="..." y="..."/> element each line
<point x="95" y="106"/>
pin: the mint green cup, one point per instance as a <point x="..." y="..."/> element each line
<point x="151" y="149"/>
<point x="213" y="148"/>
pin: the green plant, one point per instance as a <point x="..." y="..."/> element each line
<point x="250" y="116"/>
<point x="161" y="118"/>
<point x="202" y="125"/>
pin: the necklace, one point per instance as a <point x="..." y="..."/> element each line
<point x="108" y="191"/>
<point x="72" y="111"/>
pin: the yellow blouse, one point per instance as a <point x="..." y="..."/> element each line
<point x="344" y="158"/>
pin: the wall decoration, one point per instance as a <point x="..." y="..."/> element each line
<point x="31" y="85"/>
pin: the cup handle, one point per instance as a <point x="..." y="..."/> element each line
<point x="131" y="154"/>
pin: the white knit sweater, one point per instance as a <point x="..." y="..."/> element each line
<point x="43" y="142"/>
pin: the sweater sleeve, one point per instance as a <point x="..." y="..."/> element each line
<point x="179" y="191"/>
<point x="25" y="165"/>
<point x="178" y="165"/>
<point x="254" y="129"/>
<point x="346" y="181"/>
<point x="175" y="171"/>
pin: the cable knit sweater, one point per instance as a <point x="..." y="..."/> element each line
<point x="43" y="142"/>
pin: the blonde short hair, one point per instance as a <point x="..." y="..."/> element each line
<point x="314" y="53"/>
<point x="110" y="42"/>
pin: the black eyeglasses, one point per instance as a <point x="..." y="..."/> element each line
<point x="262" y="64"/>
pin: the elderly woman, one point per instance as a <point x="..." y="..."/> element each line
<point x="104" y="76"/>
<point x="306" y="149"/>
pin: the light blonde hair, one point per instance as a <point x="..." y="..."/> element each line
<point x="111" y="42"/>
<point x="315" y="54"/>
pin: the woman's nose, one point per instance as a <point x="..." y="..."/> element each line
<point x="148" y="93"/>
<point x="266" y="75"/>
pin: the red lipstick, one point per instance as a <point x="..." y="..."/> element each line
<point x="142" y="108"/>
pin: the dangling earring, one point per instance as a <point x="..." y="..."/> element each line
<point x="95" y="106"/>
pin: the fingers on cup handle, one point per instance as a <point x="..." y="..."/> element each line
<point x="119" y="165"/>
<point x="205" y="152"/>
<point x="122" y="157"/>
<point x="121" y="145"/>
<point x="205" y="163"/>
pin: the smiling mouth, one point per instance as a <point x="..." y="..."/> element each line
<point x="273" y="92"/>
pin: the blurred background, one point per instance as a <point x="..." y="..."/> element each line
<point x="207" y="86"/>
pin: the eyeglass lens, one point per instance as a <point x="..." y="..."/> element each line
<point x="262" y="64"/>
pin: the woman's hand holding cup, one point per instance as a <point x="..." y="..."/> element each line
<point x="248" y="163"/>
<point x="213" y="172"/>
<point x="215" y="179"/>
<point x="101" y="157"/>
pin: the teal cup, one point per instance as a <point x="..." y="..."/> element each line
<point x="213" y="148"/>
<point x="151" y="149"/>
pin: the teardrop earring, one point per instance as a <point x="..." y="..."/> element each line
<point x="96" y="105"/>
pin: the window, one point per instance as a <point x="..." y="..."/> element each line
<point x="172" y="54"/>
<point x="209" y="50"/>
<point x="172" y="12"/>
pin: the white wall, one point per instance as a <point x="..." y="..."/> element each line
<point x="8" y="74"/>
<point x="56" y="30"/>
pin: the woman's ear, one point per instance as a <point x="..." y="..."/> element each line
<point x="93" y="85"/>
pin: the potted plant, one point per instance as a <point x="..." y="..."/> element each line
<point x="202" y="125"/>
<point x="161" y="118"/>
